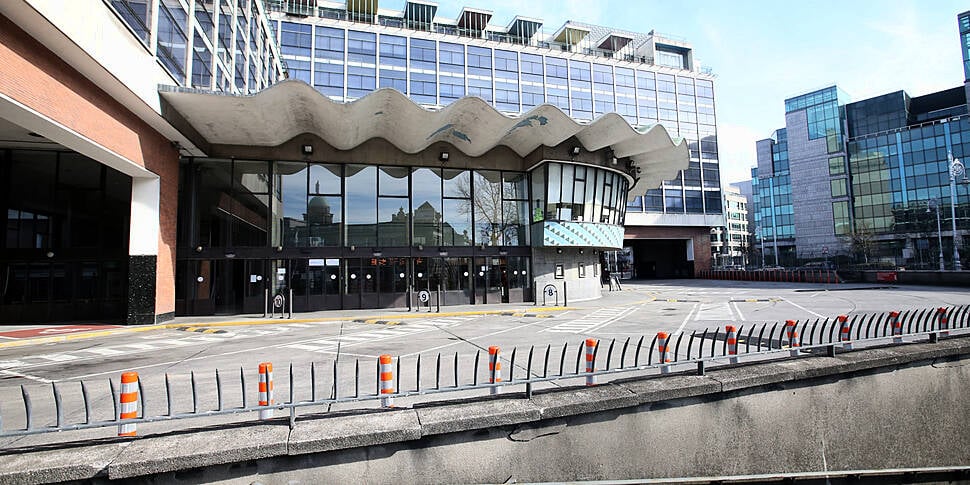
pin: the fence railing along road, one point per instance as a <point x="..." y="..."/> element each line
<point x="430" y="375"/>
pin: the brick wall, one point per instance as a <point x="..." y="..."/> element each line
<point x="36" y="77"/>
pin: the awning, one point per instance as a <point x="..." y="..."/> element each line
<point x="289" y="108"/>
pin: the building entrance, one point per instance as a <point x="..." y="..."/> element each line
<point x="231" y="286"/>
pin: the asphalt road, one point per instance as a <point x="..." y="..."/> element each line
<point x="641" y="309"/>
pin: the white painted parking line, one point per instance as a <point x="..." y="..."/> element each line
<point x="686" y="319"/>
<point x="25" y="376"/>
<point x="713" y="311"/>
<point x="738" y="310"/>
<point x="796" y="305"/>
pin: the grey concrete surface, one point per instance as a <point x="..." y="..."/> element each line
<point x="354" y="431"/>
<point x="905" y="406"/>
<point x="475" y="415"/>
<point x="62" y="464"/>
<point x="183" y="451"/>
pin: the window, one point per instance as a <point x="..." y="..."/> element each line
<point x="172" y="41"/>
<point x="838" y="188"/>
<point x="836" y="166"/>
<point x="135" y="13"/>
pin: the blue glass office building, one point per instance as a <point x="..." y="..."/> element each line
<point x="865" y="181"/>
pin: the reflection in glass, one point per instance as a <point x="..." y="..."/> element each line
<point x="488" y="208"/>
<point x="457" y="223"/>
<point x="392" y="219"/>
<point x="361" y="202"/>
<point x="426" y="206"/>
<point x="290" y="225"/>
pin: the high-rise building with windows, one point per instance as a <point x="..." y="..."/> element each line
<point x="192" y="157"/>
<point x="346" y="50"/>
<point x="862" y="181"/>
<point x="89" y="164"/>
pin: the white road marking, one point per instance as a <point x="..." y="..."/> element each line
<point x="737" y="309"/>
<point x="594" y="321"/>
<point x="796" y="305"/>
<point x="432" y="349"/>
<point x="686" y="319"/>
<point x="25" y="376"/>
<point x="712" y="311"/>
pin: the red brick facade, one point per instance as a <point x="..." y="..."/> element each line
<point x="701" y="237"/>
<point x="37" y="78"/>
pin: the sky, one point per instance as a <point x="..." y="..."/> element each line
<point x="762" y="54"/>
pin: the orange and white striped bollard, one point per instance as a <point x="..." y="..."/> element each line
<point x="897" y="327"/>
<point x="128" y="403"/>
<point x="265" y="389"/>
<point x="662" y="338"/>
<point x="732" y="343"/>
<point x="790" y="326"/>
<point x="590" y="361"/>
<point x="387" y="381"/>
<point x="844" y="330"/>
<point x="944" y="322"/>
<point x="494" y="370"/>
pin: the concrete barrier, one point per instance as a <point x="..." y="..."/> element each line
<point x="892" y="407"/>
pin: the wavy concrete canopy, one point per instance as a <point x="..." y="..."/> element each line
<point x="290" y="108"/>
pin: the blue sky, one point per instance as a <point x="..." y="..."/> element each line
<point x="762" y="54"/>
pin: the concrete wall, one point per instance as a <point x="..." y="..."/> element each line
<point x="898" y="407"/>
<point x="544" y="261"/>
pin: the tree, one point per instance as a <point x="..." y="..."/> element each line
<point x="496" y="223"/>
<point x="861" y="240"/>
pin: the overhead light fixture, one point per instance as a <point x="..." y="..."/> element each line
<point x="378" y="253"/>
<point x="307" y="149"/>
<point x="581" y="251"/>
<point x="198" y="249"/>
<point x="279" y="249"/>
<point x="613" y="160"/>
<point x="420" y="247"/>
<point x="353" y="248"/>
<point x="443" y="156"/>
<point x="503" y="252"/>
<point x="558" y="250"/>
<point x="442" y="252"/>
<point x="575" y="151"/>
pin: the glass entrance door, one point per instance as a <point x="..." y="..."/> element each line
<point x="323" y="284"/>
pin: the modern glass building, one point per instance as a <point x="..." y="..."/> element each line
<point x="88" y="164"/>
<point x="346" y="50"/>
<point x="864" y="181"/>
<point x="197" y="157"/>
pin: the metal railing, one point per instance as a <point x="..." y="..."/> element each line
<point x="527" y="367"/>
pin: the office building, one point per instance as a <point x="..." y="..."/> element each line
<point x="514" y="65"/>
<point x="157" y="161"/>
<point x="730" y="242"/>
<point x="863" y="181"/>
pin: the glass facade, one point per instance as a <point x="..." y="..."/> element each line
<point x="772" y="204"/>
<point x="241" y="58"/>
<point x="64" y="254"/>
<point x="351" y="235"/>
<point x="438" y="72"/>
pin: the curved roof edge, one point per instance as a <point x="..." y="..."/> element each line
<point x="292" y="107"/>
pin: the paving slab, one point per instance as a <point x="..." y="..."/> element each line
<point x="59" y="464"/>
<point x="587" y="400"/>
<point x="353" y="431"/>
<point x="183" y="451"/>
<point x="475" y="415"/>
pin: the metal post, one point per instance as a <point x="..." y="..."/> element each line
<point x="939" y="232"/>
<point x="265" y="302"/>
<point x="565" y="302"/>
<point x="291" y="304"/>
<point x="956" y="170"/>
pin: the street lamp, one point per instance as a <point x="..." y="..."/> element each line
<point x="930" y="205"/>
<point x="957" y="171"/>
